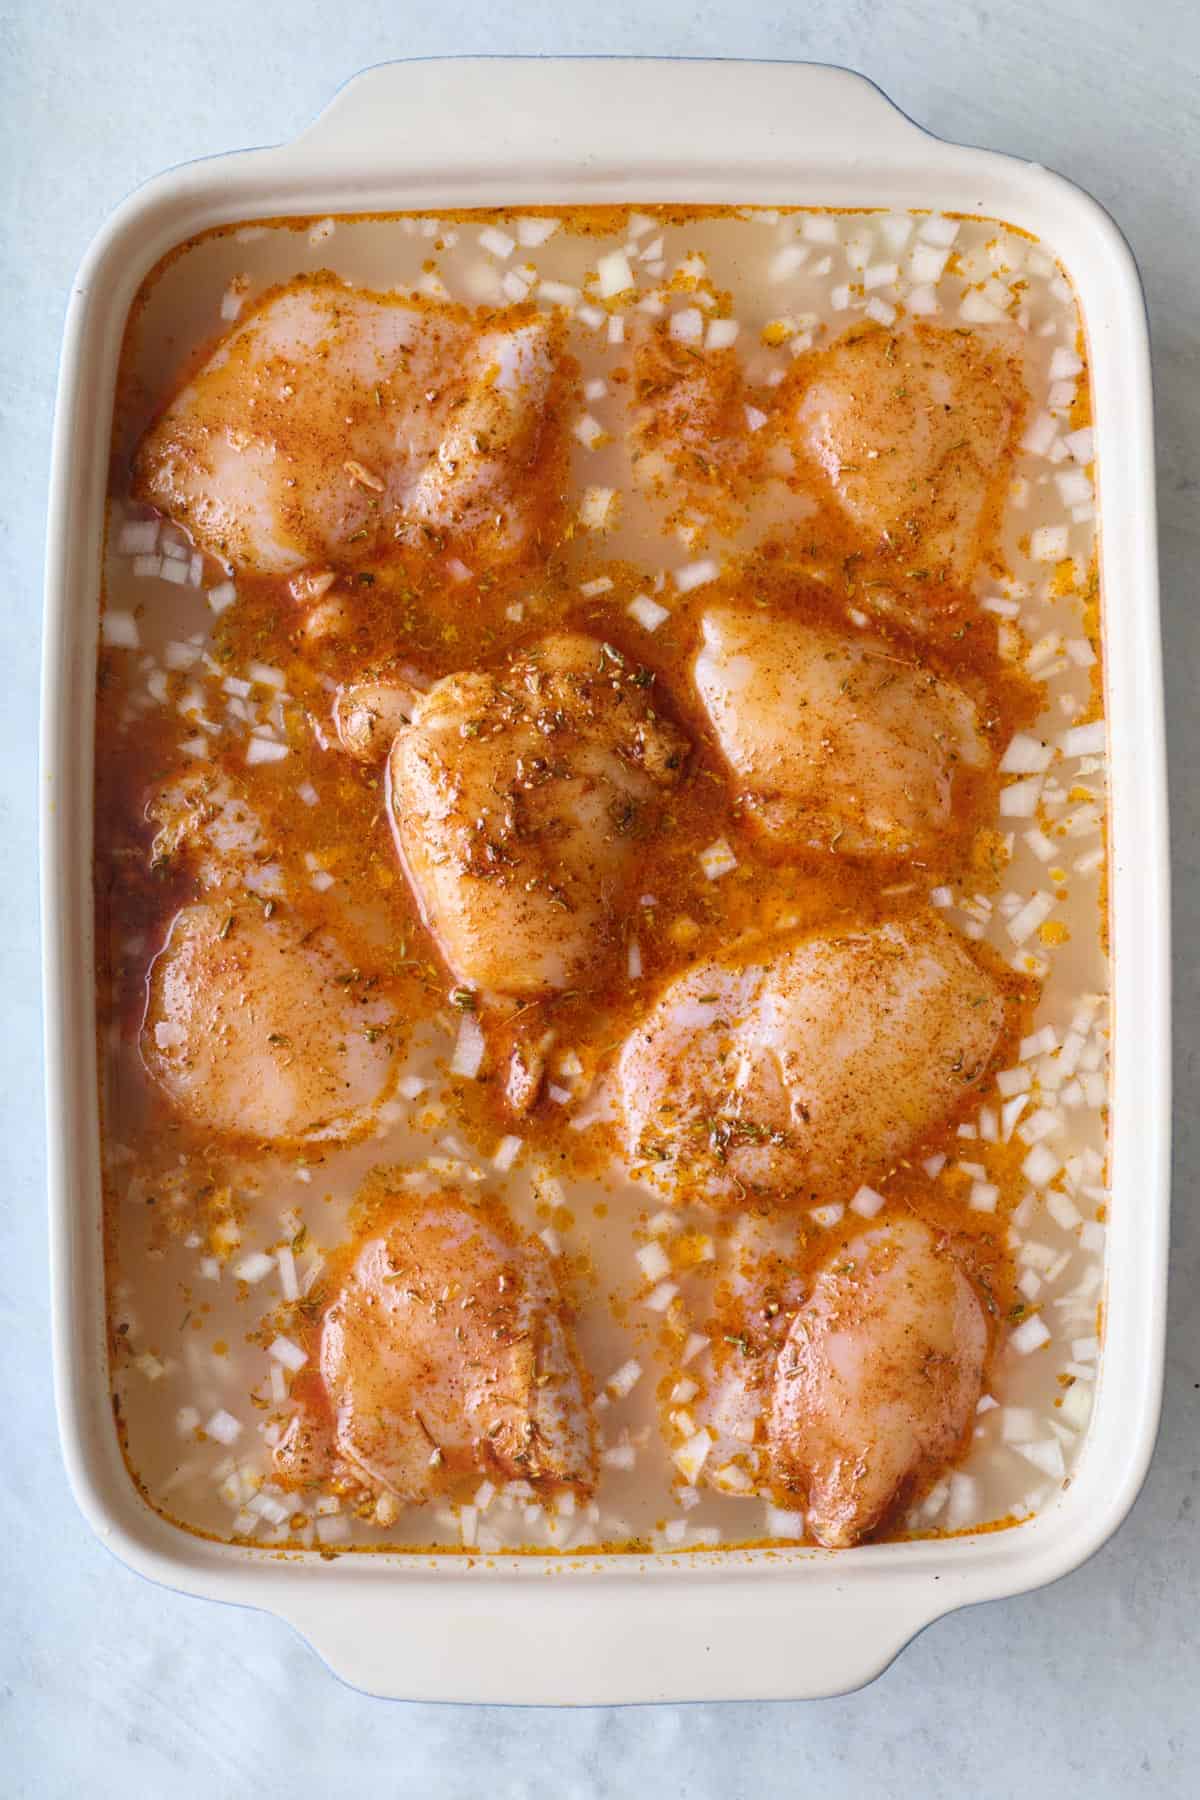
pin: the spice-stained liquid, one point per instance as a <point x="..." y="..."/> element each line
<point x="754" y="554"/>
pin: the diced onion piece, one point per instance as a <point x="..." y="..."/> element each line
<point x="1026" y="755"/>
<point x="786" y="262"/>
<point x="653" y="1261"/>
<point x="755" y="419"/>
<point x="1076" y="1408"/>
<point x="1064" y="363"/>
<point x="1019" y="800"/>
<point x="623" y="1380"/>
<point x="1041" y="434"/>
<point x="618" y="1456"/>
<point x="138" y="537"/>
<point x="119" y="631"/>
<point x="659" y="1298"/>
<point x="697" y="574"/>
<point x="255" y="1267"/>
<point x="1046" y="1455"/>
<point x="533" y="233"/>
<point x="782" y="1523"/>
<point x="469" y="1048"/>
<point x="722" y="334"/>
<point x="288" y="1354"/>
<point x="224" y="1427"/>
<point x="289" y="1287"/>
<point x="1030" y="1335"/>
<point x="1018" y="1424"/>
<point x="827" y="1216"/>
<point x="1035" y="912"/>
<point x="937" y="229"/>
<point x="691" y="1457"/>
<point x="598" y="508"/>
<point x="1040" y="1124"/>
<point x="964" y="1504"/>
<point x="265" y="750"/>
<point x="867" y="1203"/>
<point x="1081" y="444"/>
<point x="496" y="242"/>
<point x="506" y="1153"/>
<point x="977" y="310"/>
<point x="687" y="326"/>
<point x="589" y="431"/>
<point x="820" y="228"/>
<point x="614" y="274"/>
<point x="648" y="613"/>
<point x="1049" y="543"/>
<point x="718" y="860"/>
<point x="1041" y="1165"/>
<point x="1010" y="1112"/>
<point x="983" y="1196"/>
<point x="1084" y="740"/>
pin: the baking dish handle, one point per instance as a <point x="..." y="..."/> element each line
<point x="720" y="1635"/>
<point x="527" y="107"/>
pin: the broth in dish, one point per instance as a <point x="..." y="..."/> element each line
<point x="599" y="874"/>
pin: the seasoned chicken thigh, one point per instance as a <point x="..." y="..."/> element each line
<point x="837" y="743"/>
<point x="367" y="714"/>
<point x="809" y="1066"/>
<point x="325" y="428"/>
<point x="201" y="817"/>
<point x="688" y="423"/>
<point x="258" y="1029"/>
<point x="521" y="801"/>
<point x="447" y="1352"/>
<point x="876" y="1385"/>
<point x="910" y="429"/>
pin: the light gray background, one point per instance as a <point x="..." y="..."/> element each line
<point x="109" y="1686"/>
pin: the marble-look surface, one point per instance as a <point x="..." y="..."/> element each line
<point x="109" y="1686"/>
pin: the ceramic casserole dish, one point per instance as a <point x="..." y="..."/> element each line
<point x="732" y="1624"/>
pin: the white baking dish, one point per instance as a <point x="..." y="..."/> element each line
<point x="560" y="1629"/>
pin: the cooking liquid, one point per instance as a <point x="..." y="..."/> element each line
<point x="184" y="1211"/>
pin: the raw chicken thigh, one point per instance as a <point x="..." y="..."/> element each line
<point x="808" y="1066"/>
<point x="332" y="423"/>
<point x="368" y="713"/>
<point x="876" y="1385"/>
<point x="522" y="800"/>
<point x="257" y="1028"/>
<point x="836" y="743"/>
<point x="203" y="819"/>
<point x="910" y="429"/>
<point x="446" y="1352"/>
<point x="688" y="424"/>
